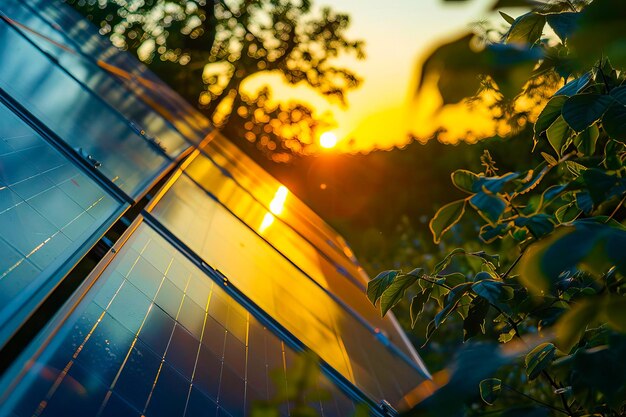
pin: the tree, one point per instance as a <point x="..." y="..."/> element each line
<point x="541" y="306"/>
<point x="283" y="37"/>
<point x="206" y="51"/>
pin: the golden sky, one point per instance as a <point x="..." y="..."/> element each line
<point x="398" y="33"/>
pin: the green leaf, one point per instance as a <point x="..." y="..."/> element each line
<point x="489" y="206"/>
<point x="586" y="141"/>
<point x="453" y="298"/>
<point x="489" y="233"/>
<point x="614" y="122"/>
<point x="493" y="184"/>
<point x="538" y="225"/>
<point x="454" y="279"/>
<point x="612" y="151"/>
<point x="587" y="243"/>
<point x="490" y="390"/>
<point x="573" y="324"/>
<point x="539" y="359"/>
<point x="603" y="185"/>
<point x="584" y="202"/>
<point x="551" y="193"/>
<point x="438" y="293"/>
<point x="575" y="86"/>
<point x="396" y="290"/>
<point x="446" y="217"/>
<point x="583" y="110"/>
<point x="567" y="213"/>
<point x="474" y="323"/>
<point x="549" y="114"/>
<point x="509" y="19"/>
<point x="443" y="264"/>
<point x="558" y="133"/>
<point x="563" y="24"/>
<point x="464" y="180"/>
<point x="417" y="305"/>
<point x="619" y="94"/>
<point x="494" y="260"/>
<point x="526" y="29"/>
<point x="377" y="286"/>
<point x="495" y="292"/>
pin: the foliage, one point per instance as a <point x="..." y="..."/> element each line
<point x="206" y="50"/>
<point x="544" y="314"/>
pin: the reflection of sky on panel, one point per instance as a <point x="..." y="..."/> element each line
<point x="287" y="241"/>
<point x="77" y="116"/>
<point x="279" y="288"/>
<point x="96" y="78"/>
<point x="156" y="337"/>
<point x="48" y="209"/>
<point x="141" y="81"/>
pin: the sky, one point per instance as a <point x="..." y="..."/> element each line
<point x="384" y="110"/>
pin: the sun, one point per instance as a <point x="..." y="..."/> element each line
<point x="328" y="140"/>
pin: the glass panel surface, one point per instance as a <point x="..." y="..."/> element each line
<point x="134" y="74"/>
<point x="263" y="187"/>
<point x="102" y="82"/>
<point x="48" y="209"/>
<point x="283" y="291"/>
<point x="122" y="352"/>
<point x="269" y="225"/>
<point x="79" y="117"/>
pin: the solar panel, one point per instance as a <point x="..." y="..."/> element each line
<point x="48" y="210"/>
<point x="282" y="290"/>
<point x="80" y="118"/>
<point x="155" y="336"/>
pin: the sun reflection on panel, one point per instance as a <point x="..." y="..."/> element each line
<point x="276" y="207"/>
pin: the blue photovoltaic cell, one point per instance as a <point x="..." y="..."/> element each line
<point x="100" y="81"/>
<point x="284" y="292"/>
<point x="79" y="117"/>
<point x="48" y="209"/>
<point x="156" y="337"/>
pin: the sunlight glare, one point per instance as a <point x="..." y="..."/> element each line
<point x="328" y="140"/>
<point x="276" y="207"/>
<point x="277" y="204"/>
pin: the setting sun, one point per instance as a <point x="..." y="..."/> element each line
<point x="328" y="140"/>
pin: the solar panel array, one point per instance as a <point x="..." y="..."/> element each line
<point x="202" y="306"/>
